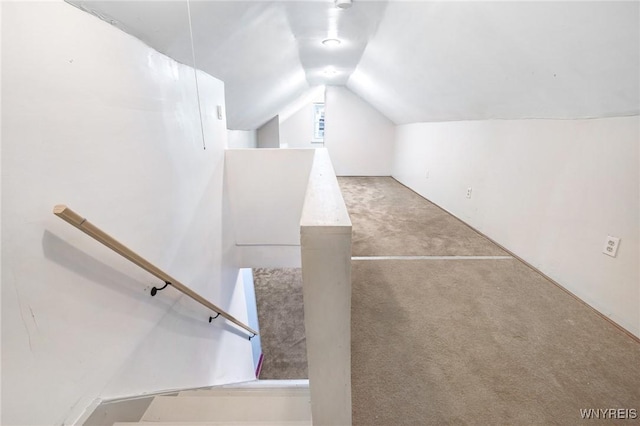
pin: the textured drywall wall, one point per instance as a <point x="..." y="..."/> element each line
<point x="266" y="193"/>
<point x="551" y="191"/>
<point x="359" y="138"/>
<point x="269" y="134"/>
<point x="297" y="131"/>
<point x="93" y="118"/>
<point x="237" y="139"/>
<point x="297" y="124"/>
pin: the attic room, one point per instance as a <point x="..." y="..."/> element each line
<point x="194" y="133"/>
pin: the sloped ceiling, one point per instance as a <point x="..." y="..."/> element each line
<point x="413" y="61"/>
<point x="440" y="61"/>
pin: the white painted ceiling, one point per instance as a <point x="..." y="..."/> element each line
<point x="413" y="61"/>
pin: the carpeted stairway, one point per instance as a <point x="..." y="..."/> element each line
<point x="281" y="319"/>
<point x="473" y="336"/>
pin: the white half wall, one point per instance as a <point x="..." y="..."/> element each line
<point x="359" y="139"/>
<point x="94" y="118"/>
<point x="325" y="230"/>
<point x="238" y="139"/>
<point x="266" y="192"/>
<point x="269" y="134"/>
<point x="549" y="191"/>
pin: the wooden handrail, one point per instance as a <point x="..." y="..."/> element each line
<point x="97" y="234"/>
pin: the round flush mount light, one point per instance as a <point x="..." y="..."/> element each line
<point x="330" y="71"/>
<point x="331" y="42"/>
<point x="343" y="4"/>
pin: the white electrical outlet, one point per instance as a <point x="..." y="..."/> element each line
<point x="611" y="246"/>
<point x="426" y="174"/>
<point x="469" y="192"/>
<point x="219" y="109"/>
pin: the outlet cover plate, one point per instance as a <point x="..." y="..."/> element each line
<point x="611" y="246"/>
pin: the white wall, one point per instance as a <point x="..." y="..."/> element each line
<point x="245" y="278"/>
<point x="359" y="138"/>
<point x="550" y="191"/>
<point x="238" y="139"/>
<point x="93" y="118"/>
<point x="269" y="134"/>
<point x="296" y="127"/>
<point x="297" y="131"/>
<point x="266" y="193"/>
<point x="325" y="230"/>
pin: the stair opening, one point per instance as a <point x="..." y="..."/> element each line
<point x="280" y="310"/>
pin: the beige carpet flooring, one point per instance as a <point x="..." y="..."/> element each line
<point x="470" y="341"/>
<point x="391" y="220"/>
<point x="281" y="319"/>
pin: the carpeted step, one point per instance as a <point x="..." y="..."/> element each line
<point x="239" y="405"/>
<point x="224" y="423"/>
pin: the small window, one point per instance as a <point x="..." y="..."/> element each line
<point x="318" y="122"/>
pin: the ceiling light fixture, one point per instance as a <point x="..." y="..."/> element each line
<point x="331" y="42"/>
<point x="330" y="71"/>
<point x="343" y="4"/>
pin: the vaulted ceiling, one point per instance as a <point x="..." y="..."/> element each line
<point x="414" y="61"/>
